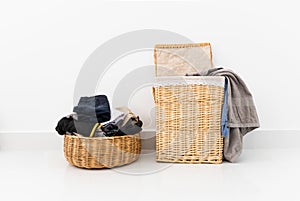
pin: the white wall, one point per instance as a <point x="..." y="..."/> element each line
<point x="43" y="45"/>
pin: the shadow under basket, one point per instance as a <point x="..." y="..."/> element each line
<point x="101" y="152"/>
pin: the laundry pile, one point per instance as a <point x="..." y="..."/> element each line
<point x="91" y="119"/>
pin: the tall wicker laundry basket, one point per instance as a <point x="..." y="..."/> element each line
<point x="188" y="119"/>
<point x="101" y="152"/>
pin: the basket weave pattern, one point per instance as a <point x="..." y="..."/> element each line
<point x="179" y="59"/>
<point x="188" y="123"/>
<point x="102" y="152"/>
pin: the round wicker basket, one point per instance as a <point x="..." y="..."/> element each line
<point x="101" y="152"/>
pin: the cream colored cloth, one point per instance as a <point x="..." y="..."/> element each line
<point x="180" y="59"/>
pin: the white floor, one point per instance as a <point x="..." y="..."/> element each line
<point x="260" y="174"/>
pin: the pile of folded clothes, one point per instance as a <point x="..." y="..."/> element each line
<point x="91" y="119"/>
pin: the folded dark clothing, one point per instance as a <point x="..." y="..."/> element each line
<point x="125" y="124"/>
<point x="92" y="110"/>
<point x="66" y="125"/>
<point x="91" y="118"/>
<point x="97" y="106"/>
<point x="110" y="129"/>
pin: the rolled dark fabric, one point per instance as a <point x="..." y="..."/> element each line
<point x="110" y="129"/>
<point x="66" y="125"/>
<point x="94" y="107"/>
<point x="124" y="124"/>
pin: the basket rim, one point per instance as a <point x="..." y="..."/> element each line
<point x="182" y="45"/>
<point x="185" y="80"/>
<point x="102" y="138"/>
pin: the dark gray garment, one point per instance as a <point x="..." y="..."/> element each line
<point x="128" y="124"/>
<point x="93" y="109"/>
<point x="124" y="124"/>
<point x="242" y="115"/>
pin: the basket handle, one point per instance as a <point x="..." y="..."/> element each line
<point x="97" y="125"/>
<point x="153" y="94"/>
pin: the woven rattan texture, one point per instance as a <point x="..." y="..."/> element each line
<point x="188" y="123"/>
<point x="101" y="152"/>
<point x="179" y="59"/>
